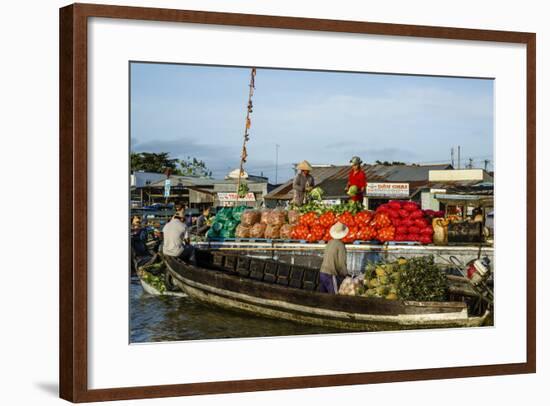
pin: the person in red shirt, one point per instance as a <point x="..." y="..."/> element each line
<point x="357" y="178"/>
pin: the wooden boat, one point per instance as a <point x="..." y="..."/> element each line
<point x="279" y="290"/>
<point x="149" y="269"/>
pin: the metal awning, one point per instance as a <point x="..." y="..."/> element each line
<point x="464" y="199"/>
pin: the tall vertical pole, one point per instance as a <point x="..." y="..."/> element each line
<point x="276" y="162"/>
<point x="453" y="157"/>
<point x="459" y="157"/>
<point x="247" y="125"/>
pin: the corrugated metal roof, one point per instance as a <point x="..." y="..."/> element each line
<point x="333" y="179"/>
<point x="177" y="180"/>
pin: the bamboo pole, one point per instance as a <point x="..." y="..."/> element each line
<point x="246" y="136"/>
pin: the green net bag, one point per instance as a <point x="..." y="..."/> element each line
<point x="212" y="234"/>
<point x="237" y="213"/>
<point x="217" y="226"/>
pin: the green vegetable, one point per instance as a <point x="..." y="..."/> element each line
<point x="353" y="190"/>
<point x="156" y="282"/>
<point x="243" y="190"/>
<point x="421" y="280"/>
<point x="417" y="279"/>
<point x="316" y="193"/>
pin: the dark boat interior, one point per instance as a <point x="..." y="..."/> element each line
<point x="260" y="269"/>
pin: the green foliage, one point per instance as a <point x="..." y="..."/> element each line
<point x="416" y="279"/>
<point x="421" y="280"/>
<point x="152" y="162"/>
<point x="194" y="167"/>
<point x="316" y="193"/>
<point x="155" y="281"/>
<point x="387" y="163"/>
<point x="319" y="207"/>
<point x="159" y="162"/>
<point x="243" y="190"/>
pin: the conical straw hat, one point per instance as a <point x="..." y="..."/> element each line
<point x="304" y="166"/>
<point x="339" y="231"/>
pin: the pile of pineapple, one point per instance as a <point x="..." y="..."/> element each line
<point x="382" y="280"/>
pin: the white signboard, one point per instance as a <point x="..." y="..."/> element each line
<point x="233" y="197"/>
<point x="388" y="189"/>
<point x="167" y="184"/>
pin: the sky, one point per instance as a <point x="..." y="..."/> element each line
<point x="323" y="117"/>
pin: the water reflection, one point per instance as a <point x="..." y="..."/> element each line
<point x="165" y="318"/>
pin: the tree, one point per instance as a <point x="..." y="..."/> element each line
<point x="194" y="167"/>
<point x="159" y="162"/>
<point x="152" y="162"/>
<point x="386" y="163"/>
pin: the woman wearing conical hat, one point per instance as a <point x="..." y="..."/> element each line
<point x="303" y="183"/>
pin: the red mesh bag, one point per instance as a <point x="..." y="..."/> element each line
<point x="242" y="231"/>
<point x="265" y="215"/>
<point x="272" y="231"/>
<point x="286" y="231"/>
<point x="250" y="217"/>
<point x="276" y="218"/>
<point x="258" y="230"/>
<point x="293" y="216"/>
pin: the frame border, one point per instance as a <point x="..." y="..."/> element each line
<point x="73" y="311"/>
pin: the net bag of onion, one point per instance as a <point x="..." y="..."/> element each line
<point x="242" y="231"/>
<point x="276" y="218"/>
<point x="286" y="231"/>
<point x="272" y="231"/>
<point x="258" y="230"/>
<point x="250" y="217"/>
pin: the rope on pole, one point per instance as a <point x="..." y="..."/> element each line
<point x="247" y="126"/>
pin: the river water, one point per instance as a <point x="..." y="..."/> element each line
<point x="168" y="318"/>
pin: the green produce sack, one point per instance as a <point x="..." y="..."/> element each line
<point x="227" y="233"/>
<point x="230" y="225"/>
<point x="225" y="214"/>
<point x="212" y="234"/>
<point x="237" y="213"/>
<point x="217" y="226"/>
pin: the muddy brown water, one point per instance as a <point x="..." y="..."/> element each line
<point x="167" y="318"/>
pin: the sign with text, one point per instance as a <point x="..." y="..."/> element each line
<point x="387" y="189"/>
<point x="233" y="197"/>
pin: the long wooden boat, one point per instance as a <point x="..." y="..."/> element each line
<point x="146" y="270"/>
<point x="277" y="290"/>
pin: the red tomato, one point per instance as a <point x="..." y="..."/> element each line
<point x="394" y="204"/>
<point x="427" y="231"/>
<point x="425" y="239"/>
<point x="381" y="220"/>
<point x="421" y="223"/>
<point x="394" y="214"/>
<point x="416" y="214"/>
<point x="414" y="230"/>
<point x="410" y="206"/>
<point x="346" y="218"/>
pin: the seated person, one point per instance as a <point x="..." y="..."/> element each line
<point x="203" y="223"/>
<point x="176" y="240"/>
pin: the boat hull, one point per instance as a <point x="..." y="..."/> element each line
<point x="334" y="311"/>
